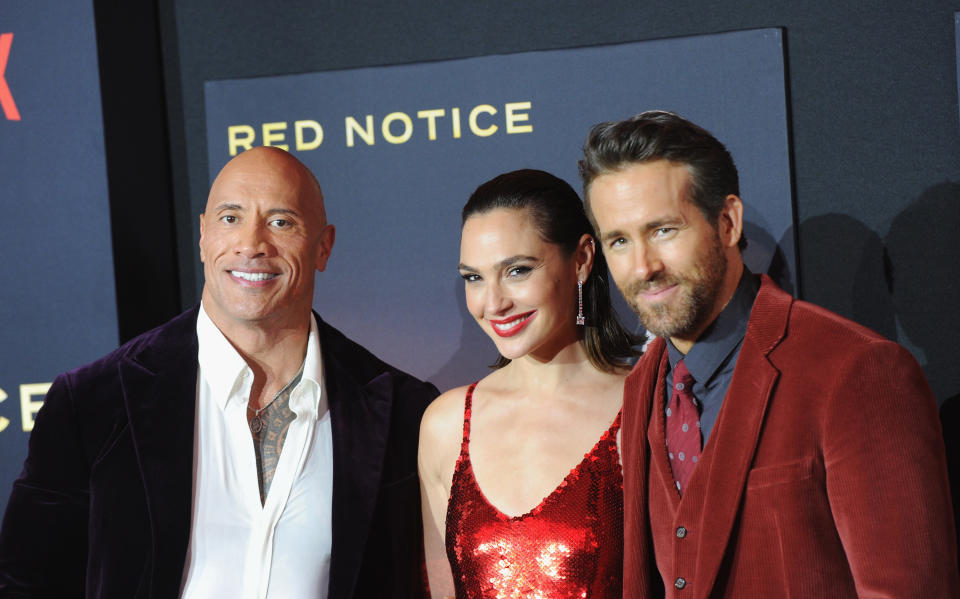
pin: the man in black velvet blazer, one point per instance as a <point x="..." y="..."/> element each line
<point x="103" y="506"/>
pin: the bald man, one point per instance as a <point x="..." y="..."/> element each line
<point x="245" y="449"/>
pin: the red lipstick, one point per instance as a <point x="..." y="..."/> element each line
<point x="508" y="327"/>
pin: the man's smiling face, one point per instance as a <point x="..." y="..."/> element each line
<point x="262" y="236"/>
<point x="667" y="259"/>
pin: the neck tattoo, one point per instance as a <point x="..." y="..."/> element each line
<point x="256" y="422"/>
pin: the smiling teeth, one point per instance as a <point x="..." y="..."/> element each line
<point x="252" y="276"/>
<point x="509" y="325"/>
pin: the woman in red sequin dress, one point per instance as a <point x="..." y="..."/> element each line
<point x="521" y="482"/>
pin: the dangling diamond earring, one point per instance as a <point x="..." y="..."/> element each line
<point x="580" y="319"/>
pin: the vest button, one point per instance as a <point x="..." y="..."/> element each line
<point x="680" y="583"/>
<point x="681" y="532"/>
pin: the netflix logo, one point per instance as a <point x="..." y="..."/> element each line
<point x="6" y="98"/>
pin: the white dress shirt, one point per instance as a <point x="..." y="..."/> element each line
<point x="238" y="547"/>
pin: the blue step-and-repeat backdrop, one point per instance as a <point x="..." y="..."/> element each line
<point x="399" y="149"/>
<point x="57" y="301"/>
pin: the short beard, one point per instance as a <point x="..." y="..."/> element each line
<point x="696" y="299"/>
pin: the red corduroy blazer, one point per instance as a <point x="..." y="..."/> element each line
<point x="824" y="475"/>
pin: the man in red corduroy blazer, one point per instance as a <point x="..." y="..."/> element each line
<point x="822" y="470"/>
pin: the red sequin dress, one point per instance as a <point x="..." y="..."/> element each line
<point x="571" y="545"/>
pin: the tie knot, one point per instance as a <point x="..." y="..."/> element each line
<point x="682" y="375"/>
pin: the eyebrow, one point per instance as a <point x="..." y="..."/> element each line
<point x="228" y="206"/>
<point x="663" y="222"/>
<point x="503" y="263"/>
<point x="611" y="235"/>
<point x="286" y="211"/>
<point x="650" y="226"/>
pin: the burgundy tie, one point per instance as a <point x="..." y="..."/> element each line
<point x="683" y="427"/>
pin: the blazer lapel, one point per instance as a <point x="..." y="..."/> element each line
<point x="653" y="387"/>
<point x="733" y="442"/>
<point x="159" y="388"/>
<point x="640" y="573"/>
<point x="360" y="420"/>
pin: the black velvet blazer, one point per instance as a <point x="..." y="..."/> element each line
<point x="102" y="508"/>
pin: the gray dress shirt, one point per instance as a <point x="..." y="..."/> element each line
<point x="713" y="356"/>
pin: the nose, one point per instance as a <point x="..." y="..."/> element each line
<point x="495" y="302"/>
<point x="646" y="262"/>
<point x="252" y="241"/>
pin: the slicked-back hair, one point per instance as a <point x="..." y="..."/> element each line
<point x="558" y="215"/>
<point x="661" y="135"/>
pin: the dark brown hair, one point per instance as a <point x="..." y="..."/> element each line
<point x="660" y="135"/>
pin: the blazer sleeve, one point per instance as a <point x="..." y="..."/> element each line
<point x="44" y="534"/>
<point x="393" y="562"/>
<point x="886" y="476"/>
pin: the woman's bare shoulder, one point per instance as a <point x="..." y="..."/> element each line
<point x="445" y="409"/>
<point x="441" y="432"/>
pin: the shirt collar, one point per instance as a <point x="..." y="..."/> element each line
<point x="722" y="336"/>
<point x="312" y="400"/>
<point x="225" y="371"/>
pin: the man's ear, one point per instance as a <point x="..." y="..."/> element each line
<point x="327" y="237"/>
<point x="730" y="221"/>
<point x="200" y="243"/>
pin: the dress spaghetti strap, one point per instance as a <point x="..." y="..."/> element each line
<point x="467" y="404"/>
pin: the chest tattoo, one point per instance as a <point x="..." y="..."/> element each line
<point x="268" y="440"/>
